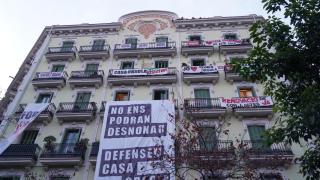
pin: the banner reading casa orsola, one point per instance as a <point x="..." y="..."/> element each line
<point x="139" y="72"/>
<point x="261" y="101"/>
<point x="30" y="113"/>
<point x="136" y="135"/>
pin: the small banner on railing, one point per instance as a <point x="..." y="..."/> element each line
<point x="30" y="113"/>
<point x="124" y="46"/>
<point x="138" y="72"/>
<point x="161" y="44"/>
<point x="142" y="45"/>
<point x="261" y="101"/>
<point x="45" y="75"/>
<point x="136" y="140"/>
<point x="199" y="69"/>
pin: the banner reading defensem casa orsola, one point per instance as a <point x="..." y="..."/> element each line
<point x="30" y="113"/>
<point x="136" y="135"/>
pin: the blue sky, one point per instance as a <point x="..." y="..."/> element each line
<point x="23" y="20"/>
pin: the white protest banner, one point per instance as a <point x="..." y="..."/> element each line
<point x="50" y="75"/>
<point x="30" y="113"/>
<point x="135" y="136"/>
<point x="199" y="69"/>
<point x="230" y="42"/>
<point x="193" y="43"/>
<point x="139" y="72"/>
<point x="142" y="45"/>
<point x="125" y="46"/>
<point x="261" y="101"/>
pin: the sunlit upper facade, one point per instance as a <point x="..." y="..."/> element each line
<point x="77" y="68"/>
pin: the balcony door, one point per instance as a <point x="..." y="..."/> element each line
<point x="91" y="70"/>
<point x="207" y="139"/>
<point x="255" y="133"/>
<point x="161" y="64"/>
<point x="132" y="41"/>
<point x="202" y="98"/>
<point x="127" y="65"/>
<point x="69" y="141"/>
<point x="9" y="177"/>
<point x="98" y="45"/>
<point x="67" y="46"/>
<point x="198" y="62"/>
<point x="44" y="98"/>
<point x="122" y="96"/>
<point x="82" y="101"/>
<point x="29" y="137"/>
<point x="245" y="92"/>
<point x="162" y="94"/>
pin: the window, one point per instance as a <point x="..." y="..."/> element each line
<point x="161" y="39"/>
<point x="9" y="178"/>
<point x="201" y="93"/>
<point x="98" y="45"/>
<point x="71" y="137"/>
<point x="58" y="68"/>
<point x="256" y="135"/>
<point x="202" y="98"/>
<point x="29" y="136"/>
<point x="213" y="177"/>
<point x="161" y="64"/>
<point x="67" y="46"/>
<point x="246" y="92"/>
<point x="127" y="65"/>
<point x="44" y="98"/>
<point x="197" y="62"/>
<point x="132" y="41"/>
<point x="82" y="101"/>
<point x="230" y="36"/>
<point x="271" y="177"/>
<point x="122" y="96"/>
<point x="160" y="95"/>
<point x="195" y="38"/>
<point x="207" y="138"/>
<point x="59" y="178"/>
<point x="92" y="67"/>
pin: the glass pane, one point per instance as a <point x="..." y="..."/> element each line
<point x="161" y="64"/>
<point x="67" y="46"/>
<point x="10" y="178"/>
<point x="207" y="138"/>
<point x="29" y="136"/>
<point x="98" y="44"/>
<point x="57" y="68"/>
<point x="201" y="93"/>
<point x="127" y="65"/>
<point x="198" y="62"/>
<point x="92" y="67"/>
<point x="195" y="38"/>
<point x="44" y="98"/>
<point x="132" y="41"/>
<point x="245" y="92"/>
<point x="230" y="36"/>
<point x="160" y="95"/>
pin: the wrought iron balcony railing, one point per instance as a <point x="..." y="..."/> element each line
<point x="208" y="148"/>
<point x="94" y="48"/>
<point x="87" y="74"/>
<point x="199" y="103"/>
<point x="21" y="151"/>
<point x="141" y="72"/>
<point x="50" y="109"/>
<point x="259" y="147"/>
<point x="64" y="150"/>
<point x="150" y="45"/>
<point x="71" y="49"/>
<point x="50" y="75"/>
<point x="77" y="107"/>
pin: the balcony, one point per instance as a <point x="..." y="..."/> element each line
<point x="64" y="154"/>
<point x="119" y="77"/>
<point x="94" y="153"/>
<point x="152" y="49"/>
<point x="61" y="53"/>
<point x="200" y="74"/>
<point x="196" y="48"/>
<point x="204" y="108"/>
<point x="254" y="109"/>
<point x="19" y="155"/>
<point x="86" y="79"/>
<point x="244" y="46"/>
<point x="45" y="116"/>
<point x="219" y="152"/>
<point x="94" y="52"/>
<point x="258" y="154"/>
<point x="76" y="112"/>
<point x="49" y="80"/>
<point x="231" y="75"/>
<point x="102" y="109"/>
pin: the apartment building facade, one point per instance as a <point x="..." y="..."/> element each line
<point x="148" y="55"/>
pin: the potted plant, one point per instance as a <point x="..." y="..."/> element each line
<point x="49" y="143"/>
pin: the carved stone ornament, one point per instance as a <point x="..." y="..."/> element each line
<point x="146" y="28"/>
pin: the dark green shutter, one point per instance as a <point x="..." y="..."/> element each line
<point x="29" y="136"/>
